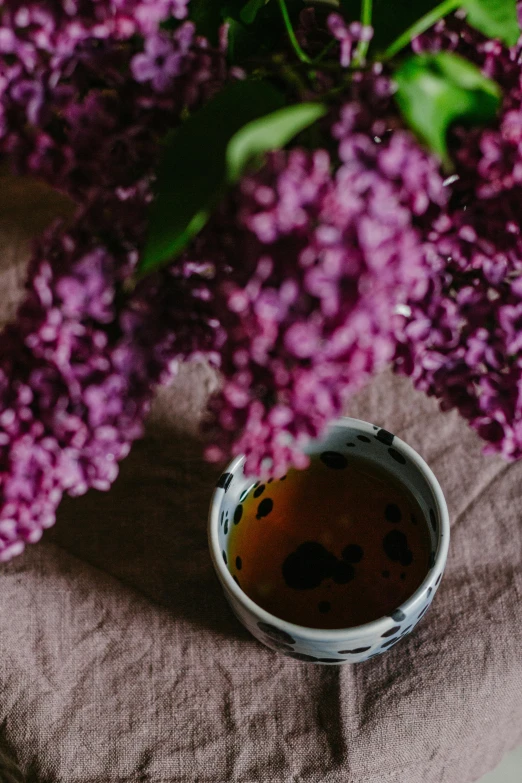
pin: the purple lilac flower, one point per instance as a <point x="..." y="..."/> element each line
<point x="310" y="258"/>
<point x="348" y="36"/>
<point x="161" y="61"/>
<point x="79" y="366"/>
<point x="462" y="341"/>
<point x="292" y="288"/>
<point x="76" y="379"/>
<point x="51" y="116"/>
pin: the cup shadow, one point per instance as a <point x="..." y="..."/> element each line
<point x="150" y="530"/>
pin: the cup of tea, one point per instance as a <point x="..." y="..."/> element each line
<point x="338" y="562"/>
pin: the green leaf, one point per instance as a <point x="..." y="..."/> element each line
<point x="250" y="10"/>
<point x="238" y="39"/>
<point x="269" y="133"/>
<point x="494" y="18"/>
<point x="193" y="171"/>
<point x="435" y="91"/>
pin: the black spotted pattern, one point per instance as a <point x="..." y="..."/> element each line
<point x="264" y="508"/>
<point x="340" y="571"/>
<point x="356" y="651"/>
<point x="225" y="529"/>
<point x="423" y="612"/>
<point x="224" y="557"/>
<point x="395" y="545"/>
<point x="391" y="631"/>
<point x="225" y="481"/>
<point x="302" y="657"/>
<point x="397" y="456"/>
<point x="334" y="460"/>
<point x="279" y="645"/>
<point x="276" y="633"/>
<point x="390" y="642"/>
<point x="393" y="513"/>
<point x="343" y="572"/>
<point x="364" y="438"/>
<point x="353" y="553"/>
<point x="239" y="563"/>
<point x="385" y="437"/>
<point x="398" y="615"/>
<point x="310" y="564"/>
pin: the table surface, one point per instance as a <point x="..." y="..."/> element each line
<point x="119" y="660"/>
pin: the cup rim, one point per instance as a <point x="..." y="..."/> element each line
<point x="336" y="634"/>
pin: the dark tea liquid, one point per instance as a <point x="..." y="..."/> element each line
<point x="333" y="546"/>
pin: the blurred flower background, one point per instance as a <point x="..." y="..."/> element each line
<point x="349" y="249"/>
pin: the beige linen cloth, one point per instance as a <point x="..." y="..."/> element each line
<point x="121" y="663"/>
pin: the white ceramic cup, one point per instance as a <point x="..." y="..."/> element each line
<point x="341" y="645"/>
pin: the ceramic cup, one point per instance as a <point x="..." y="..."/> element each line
<point x="341" y="645"/>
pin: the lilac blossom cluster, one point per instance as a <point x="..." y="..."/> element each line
<point x="293" y="289"/>
<point x="462" y="342"/>
<point x="62" y="390"/>
<point x="78" y="369"/>
<point x="86" y="91"/>
<point x="312" y="256"/>
<point x="82" y="76"/>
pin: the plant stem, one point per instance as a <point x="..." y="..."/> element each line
<point x="421" y="25"/>
<point x="291" y="34"/>
<point x="324" y="52"/>
<point x="366" y="20"/>
<point x="293" y="80"/>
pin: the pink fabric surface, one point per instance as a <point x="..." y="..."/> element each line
<point x="121" y="663"/>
